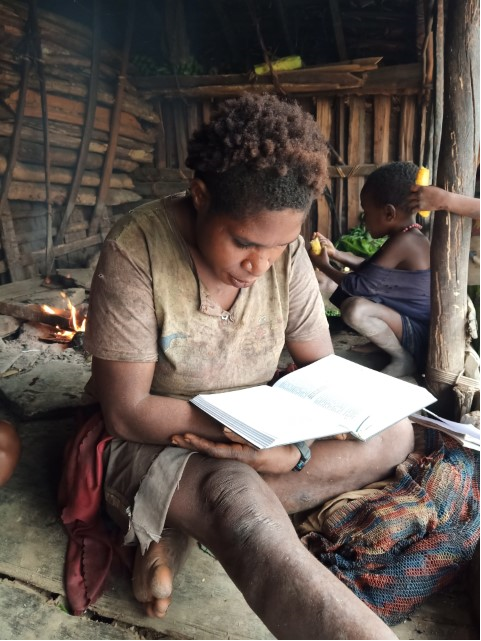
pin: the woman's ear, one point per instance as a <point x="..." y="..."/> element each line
<point x="200" y="195"/>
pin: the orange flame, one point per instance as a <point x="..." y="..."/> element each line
<point x="62" y="334"/>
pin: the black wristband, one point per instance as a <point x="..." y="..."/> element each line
<point x="305" y="453"/>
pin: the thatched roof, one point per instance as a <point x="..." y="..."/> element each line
<point x="228" y="36"/>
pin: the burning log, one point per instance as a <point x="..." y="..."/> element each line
<point x="34" y="313"/>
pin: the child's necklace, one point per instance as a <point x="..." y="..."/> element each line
<point x="413" y="226"/>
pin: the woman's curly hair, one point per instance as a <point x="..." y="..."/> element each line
<point x="259" y="152"/>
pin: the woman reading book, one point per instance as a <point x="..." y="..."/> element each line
<point x="199" y="292"/>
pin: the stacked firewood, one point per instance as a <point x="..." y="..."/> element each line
<point x="61" y="60"/>
<point x="152" y="182"/>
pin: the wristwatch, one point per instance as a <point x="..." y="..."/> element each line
<point x="305" y="453"/>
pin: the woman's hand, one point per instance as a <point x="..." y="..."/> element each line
<point x="428" y="198"/>
<point x="275" y="460"/>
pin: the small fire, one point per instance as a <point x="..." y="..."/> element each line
<point x="65" y="335"/>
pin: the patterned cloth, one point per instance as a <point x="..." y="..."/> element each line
<point x="395" y="546"/>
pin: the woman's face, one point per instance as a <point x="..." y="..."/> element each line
<point x="238" y="252"/>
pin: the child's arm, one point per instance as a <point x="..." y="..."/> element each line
<point x="345" y="258"/>
<point x="434" y="199"/>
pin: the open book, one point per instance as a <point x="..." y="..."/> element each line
<point x="331" y="396"/>
<point x="464" y="433"/>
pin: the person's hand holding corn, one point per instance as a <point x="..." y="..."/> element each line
<point x="321" y="249"/>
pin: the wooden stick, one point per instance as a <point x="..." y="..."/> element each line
<point x="100" y="212"/>
<point x="88" y="127"/>
<point x="29" y="172"/>
<point x="338" y="31"/>
<point x="59" y="193"/>
<point x="7" y="230"/>
<point x="32" y="312"/>
<point x="44" y="106"/>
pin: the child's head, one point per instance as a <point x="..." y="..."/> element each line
<point x="384" y="197"/>
<point x="392" y="184"/>
<point x="257" y="153"/>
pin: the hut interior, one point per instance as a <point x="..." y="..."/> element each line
<point x="98" y="99"/>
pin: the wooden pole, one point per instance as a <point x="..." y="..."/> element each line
<point x="99" y="216"/>
<point x="7" y="229"/>
<point x="88" y="128"/>
<point x="451" y="233"/>
<point x="46" y="152"/>
<point x="438" y="85"/>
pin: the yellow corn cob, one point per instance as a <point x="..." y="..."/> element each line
<point x="423" y="179"/>
<point x="283" y="64"/>
<point x="316" y="246"/>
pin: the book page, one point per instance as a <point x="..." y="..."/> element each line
<point x="454" y="430"/>
<point x="461" y="428"/>
<point x="368" y="401"/>
<point x="266" y="416"/>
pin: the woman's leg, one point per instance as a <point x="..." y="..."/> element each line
<point x="230" y="509"/>
<point x="383" y="327"/>
<point x="248" y="504"/>
<point x="341" y="466"/>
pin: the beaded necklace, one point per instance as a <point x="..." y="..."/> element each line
<point x="413" y="226"/>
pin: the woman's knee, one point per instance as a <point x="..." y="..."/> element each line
<point x="230" y="488"/>
<point x="397" y="442"/>
<point x="234" y="502"/>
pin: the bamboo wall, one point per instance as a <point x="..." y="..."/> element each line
<point x="366" y="126"/>
<point x="73" y="128"/>
<point x="82" y="140"/>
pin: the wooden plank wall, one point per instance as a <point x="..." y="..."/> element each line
<point x="363" y="132"/>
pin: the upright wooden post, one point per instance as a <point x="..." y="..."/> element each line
<point x="355" y="156"/>
<point x="451" y="233"/>
<point x="324" y="121"/>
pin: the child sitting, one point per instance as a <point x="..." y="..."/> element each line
<point x="386" y="298"/>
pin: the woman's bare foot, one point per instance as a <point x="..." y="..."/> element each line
<point x="365" y="348"/>
<point x="154" y="571"/>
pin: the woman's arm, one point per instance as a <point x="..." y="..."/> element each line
<point x="305" y="353"/>
<point x="433" y="198"/>
<point x="133" y="414"/>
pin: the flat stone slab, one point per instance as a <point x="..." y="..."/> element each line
<point x="47" y="388"/>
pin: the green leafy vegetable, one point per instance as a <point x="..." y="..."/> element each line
<point x="359" y="241"/>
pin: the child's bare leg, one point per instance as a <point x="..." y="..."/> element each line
<point x="154" y="571"/>
<point x="383" y="327"/>
<point x="229" y="508"/>
<point x="365" y="348"/>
